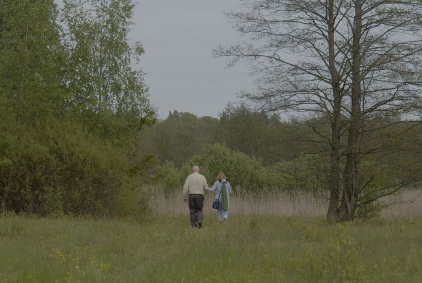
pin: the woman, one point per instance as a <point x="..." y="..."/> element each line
<point x="222" y="190"/>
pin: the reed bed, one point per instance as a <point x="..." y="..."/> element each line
<point x="285" y="204"/>
<point x="407" y="203"/>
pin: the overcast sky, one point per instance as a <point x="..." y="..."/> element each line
<point x="178" y="37"/>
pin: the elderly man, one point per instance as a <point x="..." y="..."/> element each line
<point x="194" y="190"/>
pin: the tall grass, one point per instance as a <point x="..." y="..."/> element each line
<point x="407" y="203"/>
<point x="286" y="204"/>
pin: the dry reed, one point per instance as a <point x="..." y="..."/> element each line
<point x="269" y="204"/>
<point x="407" y="203"/>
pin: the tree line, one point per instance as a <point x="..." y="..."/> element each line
<point x="265" y="153"/>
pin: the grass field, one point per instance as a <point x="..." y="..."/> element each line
<point x="252" y="247"/>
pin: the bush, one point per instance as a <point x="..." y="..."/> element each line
<point x="53" y="202"/>
<point x="167" y="177"/>
<point x="303" y="173"/>
<point x="244" y="172"/>
<point x="54" y="167"/>
<point x="307" y="172"/>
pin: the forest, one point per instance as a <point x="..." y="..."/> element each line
<point x="79" y="136"/>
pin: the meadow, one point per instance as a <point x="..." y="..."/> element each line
<point x="283" y="238"/>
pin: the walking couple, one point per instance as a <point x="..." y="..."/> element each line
<point x="193" y="193"/>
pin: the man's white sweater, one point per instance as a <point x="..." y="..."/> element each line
<point x="194" y="184"/>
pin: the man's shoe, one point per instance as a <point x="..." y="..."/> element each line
<point x="199" y="224"/>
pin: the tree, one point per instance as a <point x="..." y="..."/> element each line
<point x="30" y="52"/>
<point x="355" y="62"/>
<point x="244" y="129"/>
<point x="179" y="137"/>
<point x="255" y="134"/>
<point x="30" y="88"/>
<point x="104" y="86"/>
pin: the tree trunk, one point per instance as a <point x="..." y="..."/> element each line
<point x="335" y="121"/>
<point x="335" y="172"/>
<point x="351" y="181"/>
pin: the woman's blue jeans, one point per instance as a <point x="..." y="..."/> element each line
<point x="222" y="214"/>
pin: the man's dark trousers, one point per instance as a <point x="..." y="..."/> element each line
<point x="196" y="204"/>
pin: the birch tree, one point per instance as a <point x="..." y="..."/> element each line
<point x="100" y="70"/>
<point x="30" y="50"/>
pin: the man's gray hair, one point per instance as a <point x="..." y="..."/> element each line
<point x="195" y="168"/>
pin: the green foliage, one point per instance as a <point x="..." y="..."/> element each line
<point x="179" y="137"/>
<point x="307" y="172"/>
<point x="105" y="88"/>
<point x="53" y="202"/>
<point x="243" y="172"/>
<point x="386" y="174"/>
<point x="58" y="166"/>
<point x="303" y="173"/>
<point x="30" y="58"/>
<point x="244" y="129"/>
<point x="71" y="107"/>
<point x="5" y="164"/>
<point x="256" y="134"/>
<point x="167" y="177"/>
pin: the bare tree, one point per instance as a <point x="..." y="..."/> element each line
<point x="351" y="61"/>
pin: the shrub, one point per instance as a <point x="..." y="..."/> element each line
<point x="307" y="172"/>
<point x="57" y="166"/>
<point x="244" y="172"/>
<point x="168" y="178"/>
<point x="303" y="173"/>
